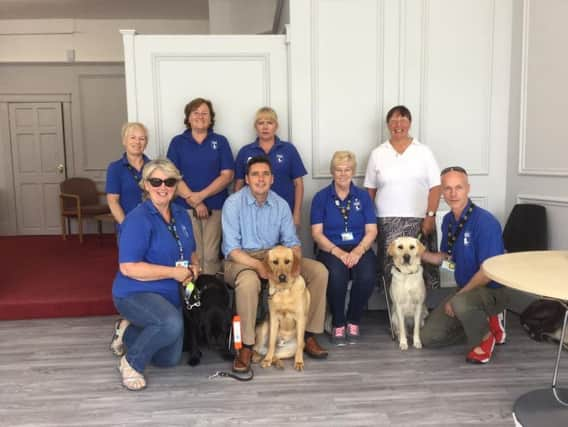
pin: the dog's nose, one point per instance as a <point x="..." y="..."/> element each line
<point x="282" y="278"/>
<point x="406" y="258"/>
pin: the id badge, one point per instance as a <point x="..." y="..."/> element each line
<point x="347" y="236"/>
<point x="182" y="263"/>
<point x="448" y="265"/>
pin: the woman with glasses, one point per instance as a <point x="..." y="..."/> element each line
<point x="156" y="256"/>
<point x="123" y="175"/>
<point x="287" y="166"/>
<point x="206" y="163"/>
<point x="344" y="228"/>
<point x="403" y="178"/>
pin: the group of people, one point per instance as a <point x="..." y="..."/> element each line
<point x="172" y="215"/>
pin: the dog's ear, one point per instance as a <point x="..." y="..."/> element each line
<point x="391" y="249"/>
<point x="267" y="266"/>
<point x="421" y="248"/>
<point x="296" y="266"/>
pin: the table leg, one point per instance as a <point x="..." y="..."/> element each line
<point x="560" y="348"/>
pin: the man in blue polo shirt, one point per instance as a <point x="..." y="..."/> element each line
<point x="255" y="219"/>
<point x="470" y="235"/>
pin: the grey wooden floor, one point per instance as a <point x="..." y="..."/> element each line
<point x="59" y="372"/>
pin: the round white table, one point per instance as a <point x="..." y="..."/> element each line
<point x="543" y="273"/>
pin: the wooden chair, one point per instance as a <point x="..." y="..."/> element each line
<point x="79" y="199"/>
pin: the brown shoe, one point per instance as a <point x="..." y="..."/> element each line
<point x="313" y="349"/>
<point x="241" y="363"/>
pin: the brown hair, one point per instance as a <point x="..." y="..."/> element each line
<point x="193" y="105"/>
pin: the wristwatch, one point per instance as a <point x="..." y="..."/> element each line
<point x="431" y="213"/>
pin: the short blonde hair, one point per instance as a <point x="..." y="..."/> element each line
<point x="265" y="112"/>
<point x="128" y="126"/>
<point x="163" y="164"/>
<point x="343" y="156"/>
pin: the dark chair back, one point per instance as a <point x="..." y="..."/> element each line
<point x="85" y="188"/>
<point x="526" y="229"/>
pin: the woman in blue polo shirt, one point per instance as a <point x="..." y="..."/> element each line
<point x="156" y="255"/>
<point x="206" y="163"/>
<point x="287" y="166"/>
<point x="344" y="228"/>
<point x="123" y="175"/>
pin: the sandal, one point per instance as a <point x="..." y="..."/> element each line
<point x="131" y="379"/>
<point x="116" y="344"/>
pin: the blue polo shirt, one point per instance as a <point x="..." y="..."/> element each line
<point x="201" y="164"/>
<point x="481" y="238"/>
<point x="326" y="207"/>
<point x="122" y="179"/>
<point x="251" y="227"/>
<point x="145" y="237"/>
<point x="286" y="166"/>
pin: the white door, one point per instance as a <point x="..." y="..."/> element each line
<point x="239" y="74"/>
<point x="38" y="158"/>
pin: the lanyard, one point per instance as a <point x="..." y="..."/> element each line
<point x="344" y="211"/>
<point x="137" y="176"/>
<point x="453" y="235"/>
<point x="172" y="229"/>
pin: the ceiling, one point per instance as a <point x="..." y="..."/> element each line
<point x="104" y="9"/>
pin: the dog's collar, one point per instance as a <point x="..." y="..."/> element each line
<point x="273" y="289"/>
<point x="408" y="274"/>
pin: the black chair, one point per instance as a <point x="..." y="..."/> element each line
<point x="526" y="229"/>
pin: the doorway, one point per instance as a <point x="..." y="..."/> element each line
<point x="38" y="164"/>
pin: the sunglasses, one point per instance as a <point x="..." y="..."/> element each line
<point x="157" y="182"/>
<point x="453" y="169"/>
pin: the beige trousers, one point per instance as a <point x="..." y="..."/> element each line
<point x="207" y="233"/>
<point x="246" y="283"/>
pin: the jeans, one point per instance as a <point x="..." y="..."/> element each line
<point x="155" y="333"/>
<point x="364" y="279"/>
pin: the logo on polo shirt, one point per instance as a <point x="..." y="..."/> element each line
<point x="279" y="158"/>
<point x="214" y="145"/>
<point x="184" y="231"/>
<point x="357" y="204"/>
<point x="466" y="238"/>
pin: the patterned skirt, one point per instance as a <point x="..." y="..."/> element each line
<point x="392" y="227"/>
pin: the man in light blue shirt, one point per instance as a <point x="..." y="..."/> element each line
<point x="254" y="220"/>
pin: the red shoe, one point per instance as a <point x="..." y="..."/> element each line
<point x="497" y="328"/>
<point x="487" y="346"/>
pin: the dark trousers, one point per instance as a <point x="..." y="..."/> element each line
<point x="364" y="279"/>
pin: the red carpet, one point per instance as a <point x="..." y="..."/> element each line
<point x="45" y="276"/>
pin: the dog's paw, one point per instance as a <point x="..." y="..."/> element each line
<point x="278" y="363"/>
<point x="403" y="345"/>
<point x="266" y="363"/>
<point x="299" y="365"/>
<point x="256" y="357"/>
<point x="417" y="344"/>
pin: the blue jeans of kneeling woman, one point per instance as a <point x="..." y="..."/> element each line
<point x="364" y="279"/>
<point x="155" y="333"/>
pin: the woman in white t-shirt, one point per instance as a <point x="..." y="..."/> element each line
<point x="403" y="178"/>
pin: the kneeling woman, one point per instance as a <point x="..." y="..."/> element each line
<point x="344" y="228"/>
<point x="156" y="254"/>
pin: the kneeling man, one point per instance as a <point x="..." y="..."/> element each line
<point x="470" y="236"/>
<point x="254" y="220"/>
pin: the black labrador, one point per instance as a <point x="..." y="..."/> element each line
<point x="207" y="318"/>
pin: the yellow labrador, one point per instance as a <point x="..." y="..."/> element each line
<point x="407" y="289"/>
<point x="282" y="335"/>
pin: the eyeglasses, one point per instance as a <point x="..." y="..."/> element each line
<point x="157" y="182"/>
<point x="453" y="169"/>
<point x="200" y="113"/>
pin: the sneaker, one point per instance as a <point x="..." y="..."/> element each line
<point x="497" y="328"/>
<point x="352" y="333"/>
<point x="487" y="346"/>
<point x="338" y="336"/>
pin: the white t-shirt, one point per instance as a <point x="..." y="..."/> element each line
<point x="402" y="180"/>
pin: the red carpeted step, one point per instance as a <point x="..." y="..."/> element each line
<point x="46" y="276"/>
